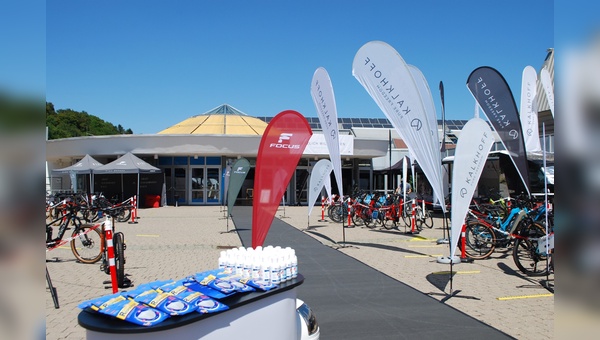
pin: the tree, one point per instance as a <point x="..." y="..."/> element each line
<point x="66" y="123"/>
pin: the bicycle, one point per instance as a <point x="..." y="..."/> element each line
<point x="362" y="210"/>
<point x="389" y="213"/>
<point x="335" y="209"/>
<point x="86" y="240"/>
<point x="119" y="246"/>
<point x="422" y="214"/>
<point x="529" y="253"/>
<point x="123" y="209"/>
<point x="92" y="212"/>
<point x="484" y="234"/>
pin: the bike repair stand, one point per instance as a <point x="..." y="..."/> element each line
<point x="127" y="283"/>
<point x="52" y="289"/>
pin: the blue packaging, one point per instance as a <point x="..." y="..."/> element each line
<point x="204" y="303"/>
<point x="135" y="312"/>
<point x="207" y="305"/>
<point x="215" y="294"/>
<point x="238" y="283"/>
<point x="102" y="301"/>
<point x="260" y="284"/>
<point x="165" y="302"/>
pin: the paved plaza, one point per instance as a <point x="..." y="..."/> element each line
<point x="174" y="242"/>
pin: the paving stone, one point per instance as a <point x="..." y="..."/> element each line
<point x="171" y="243"/>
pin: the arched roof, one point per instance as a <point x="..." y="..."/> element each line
<point x="222" y="120"/>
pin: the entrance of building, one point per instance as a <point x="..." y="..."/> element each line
<point x="205" y="184"/>
<point x="192" y="180"/>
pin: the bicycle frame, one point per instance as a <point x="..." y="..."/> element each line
<point x="67" y="218"/>
<point x="501" y="229"/>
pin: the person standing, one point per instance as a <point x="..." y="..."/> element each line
<point x="404" y="188"/>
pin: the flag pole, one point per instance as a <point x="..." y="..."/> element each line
<point x="444" y="238"/>
<point x="546" y="203"/>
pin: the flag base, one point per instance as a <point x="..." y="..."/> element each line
<point x="448" y="259"/>
<point x="443" y="241"/>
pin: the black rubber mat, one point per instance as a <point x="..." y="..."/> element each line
<point x="354" y="301"/>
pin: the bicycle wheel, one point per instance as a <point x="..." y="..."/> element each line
<point x="336" y="213"/>
<point x="368" y="218"/>
<point x="427" y="219"/>
<point x="357" y="219"/>
<point x="407" y="215"/>
<point x="380" y="218"/>
<point x="87" y="244"/>
<point x="119" y="249"/>
<point x="124" y="215"/>
<point x="480" y="241"/>
<point x="525" y="251"/>
<point x="389" y="219"/>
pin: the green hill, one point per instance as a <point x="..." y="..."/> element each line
<point x="69" y="123"/>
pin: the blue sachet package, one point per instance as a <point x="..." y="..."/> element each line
<point x="204" y="303"/>
<point x="207" y="305"/>
<point x="102" y="301"/>
<point x="260" y="285"/>
<point x="165" y="302"/>
<point x="238" y="283"/>
<point x="223" y="286"/>
<point x="135" y="312"/>
<point x="215" y="294"/>
<point x="220" y="281"/>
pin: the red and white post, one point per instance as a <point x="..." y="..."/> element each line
<point x="108" y="233"/>
<point x="133" y="210"/>
<point x="349" y="211"/>
<point x="413" y="218"/>
<point x="322" y="209"/>
<point x="463" y="245"/>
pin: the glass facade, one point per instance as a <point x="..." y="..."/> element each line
<point x="193" y="180"/>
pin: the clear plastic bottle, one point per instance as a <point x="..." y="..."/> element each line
<point x="239" y="265"/>
<point x="265" y="270"/>
<point x="222" y="261"/>
<point x="255" y="265"/>
<point x="281" y="264"/>
<point x="294" y="266"/>
<point x="246" y="267"/>
<point x="275" y="271"/>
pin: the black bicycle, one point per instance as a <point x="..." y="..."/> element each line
<point x="86" y="240"/>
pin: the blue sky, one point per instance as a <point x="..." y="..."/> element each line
<point x="148" y="64"/>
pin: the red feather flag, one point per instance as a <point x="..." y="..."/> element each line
<point x="280" y="149"/>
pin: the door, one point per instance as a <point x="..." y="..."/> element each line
<point x="213" y="184"/>
<point x="198" y="185"/>
<point x="175" y="178"/>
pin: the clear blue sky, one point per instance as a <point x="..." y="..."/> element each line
<point x="148" y="64"/>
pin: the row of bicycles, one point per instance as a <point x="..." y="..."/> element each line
<point x="521" y="225"/>
<point x="85" y="216"/>
<point x="374" y="210"/>
<point x="90" y="206"/>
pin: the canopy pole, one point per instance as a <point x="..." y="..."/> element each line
<point x="137" y="204"/>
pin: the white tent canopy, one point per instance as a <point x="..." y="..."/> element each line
<point x="86" y="165"/>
